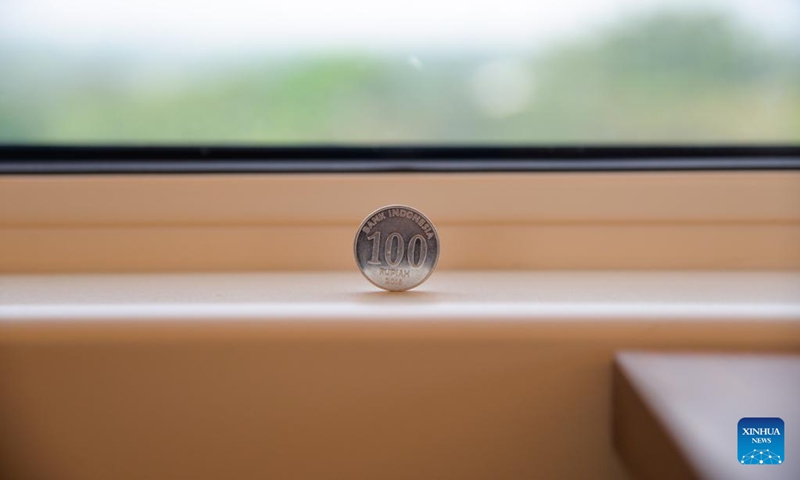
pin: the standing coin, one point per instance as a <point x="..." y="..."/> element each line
<point x="396" y="248"/>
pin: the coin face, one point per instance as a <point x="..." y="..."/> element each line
<point x="396" y="248"/>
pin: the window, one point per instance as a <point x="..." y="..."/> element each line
<point x="411" y="72"/>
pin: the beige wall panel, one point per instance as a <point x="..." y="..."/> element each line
<point x="447" y="198"/>
<point x="546" y="246"/>
<point x="688" y="220"/>
<point x="298" y="403"/>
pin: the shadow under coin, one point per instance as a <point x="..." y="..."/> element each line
<point x="409" y="296"/>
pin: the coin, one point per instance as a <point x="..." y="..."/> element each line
<point x="396" y="248"/>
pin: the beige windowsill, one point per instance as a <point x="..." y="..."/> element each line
<point x="494" y="296"/>
<point x="319" y="375"/>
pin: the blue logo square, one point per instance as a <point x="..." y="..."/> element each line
<point x="761" y="441"/>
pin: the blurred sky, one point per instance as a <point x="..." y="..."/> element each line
<point x="201" y="26"/>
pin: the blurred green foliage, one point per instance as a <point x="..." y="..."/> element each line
<point x="668" y="78"/>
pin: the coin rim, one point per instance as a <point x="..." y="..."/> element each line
<point x="397" y="205"/>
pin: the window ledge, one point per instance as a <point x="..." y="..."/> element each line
<point x="456" y="377"/>
<point x="494" y="297"/>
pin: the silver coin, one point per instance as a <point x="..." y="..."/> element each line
<point x="396" y="248"/>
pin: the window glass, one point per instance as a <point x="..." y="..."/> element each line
<point x="400" y="72"/>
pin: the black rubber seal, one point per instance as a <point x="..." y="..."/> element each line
<point x="70" y="159"/>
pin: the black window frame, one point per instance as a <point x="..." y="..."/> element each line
<point x="79" y="159"/>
